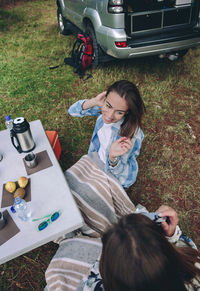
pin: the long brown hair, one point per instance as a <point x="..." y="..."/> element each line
<point x="131" y="94"/>
<point x="136" y="256"/>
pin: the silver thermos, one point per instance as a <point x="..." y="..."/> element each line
<point x="21" y="136"/>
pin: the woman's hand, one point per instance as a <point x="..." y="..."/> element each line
<point x="99" y="99"/>
<point x="96" y="101"/>
<point x="169" y="228"/>
<point x="120" y="147"/>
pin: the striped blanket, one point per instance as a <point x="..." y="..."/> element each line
<point x="101" y="200"/>
<point x="71" y="263"/>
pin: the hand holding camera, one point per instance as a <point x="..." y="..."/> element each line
<point x="169" y="224"/>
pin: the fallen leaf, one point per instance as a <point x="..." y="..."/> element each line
<point x="19" y="285"/>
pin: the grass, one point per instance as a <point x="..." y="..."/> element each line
<point x="169" y="162"/>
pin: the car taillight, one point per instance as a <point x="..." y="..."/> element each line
<point x="115" y="6"/>
<point x="120" y="43"/>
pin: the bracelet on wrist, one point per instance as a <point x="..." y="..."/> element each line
<point x="113" y="162"/>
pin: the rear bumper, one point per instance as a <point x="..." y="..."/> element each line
<point x="148" y="45"/>
<point x="162" y="48"/>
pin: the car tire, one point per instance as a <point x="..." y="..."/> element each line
<point x="63" y="24"/>
<point x="96" y="49"/>
<point x="182" y="53"/>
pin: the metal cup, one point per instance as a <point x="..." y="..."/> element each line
<point x="2" y="220"/>
<point x="31" y="160"/>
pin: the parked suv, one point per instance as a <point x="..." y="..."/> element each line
<point x="126" y="29"/>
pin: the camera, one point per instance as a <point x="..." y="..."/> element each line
<point x="155" y="217"/>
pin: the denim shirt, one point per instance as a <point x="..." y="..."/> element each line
<point x="127" y="167"/>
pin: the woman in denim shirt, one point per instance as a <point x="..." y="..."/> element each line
<point x="117" y="135"/>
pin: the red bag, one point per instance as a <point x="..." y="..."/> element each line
<point x="82" y="53"/>
<point x="86" y="58"/>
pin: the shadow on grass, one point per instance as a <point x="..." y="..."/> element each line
<point x="146" y="64"/>
<point x="10" y="18"/>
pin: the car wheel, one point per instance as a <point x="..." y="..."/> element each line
<point x="62" y="23"/>
<point x="96" y="50"/>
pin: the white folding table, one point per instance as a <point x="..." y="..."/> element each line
<point x="49" y="193"/>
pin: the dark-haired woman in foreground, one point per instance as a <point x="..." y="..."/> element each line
<point x="136" y="255"/>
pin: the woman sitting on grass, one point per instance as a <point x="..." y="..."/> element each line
<point x="98" y="179"/>
<point x="117" y="135"/>
<point x="135" y="256"/>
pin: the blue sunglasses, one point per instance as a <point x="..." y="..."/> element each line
<point x="45" y="223"/>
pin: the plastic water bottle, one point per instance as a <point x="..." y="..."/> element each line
<point x="9" y="122"/>
<point x="22" y="209"/>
